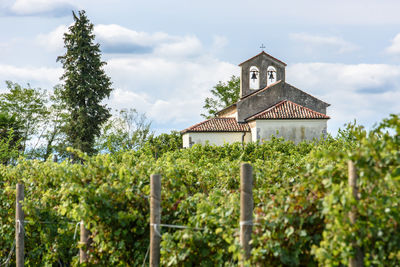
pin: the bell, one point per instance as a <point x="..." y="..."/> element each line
<point x="271" y="75"/>
<point x="254" y="76"/>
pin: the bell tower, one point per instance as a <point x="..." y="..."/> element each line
<point x="259" y="72"/>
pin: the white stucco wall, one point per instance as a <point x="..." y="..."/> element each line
<point x="215" y="138"/>
<point x="295" y="130"/>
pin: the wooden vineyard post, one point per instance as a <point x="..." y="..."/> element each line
<point x="84" y="240"/>
<point x="358" y="260"/>
<point x="155" y="219"/>
<point x="246" y="209"/>
<point x="19" y="227"/>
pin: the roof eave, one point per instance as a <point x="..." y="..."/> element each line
<point x="246" y="131"/>
<point x="263" y="52"/>
<point x="193" y="127"/>
<point x="254" y="119"/>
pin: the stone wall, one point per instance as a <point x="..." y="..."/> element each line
<point x="262" y="62"/>
<point x="269" y="97"/>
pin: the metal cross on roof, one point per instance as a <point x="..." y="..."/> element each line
<point x="262" y="47"/>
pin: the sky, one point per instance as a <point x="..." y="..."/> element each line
<point x="164" y="57"/>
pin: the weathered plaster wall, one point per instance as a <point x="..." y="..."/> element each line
<point x="185" y="139"/>
<point x="295" y="130"/>
<point x="232" y="114"/>
<point x="281" y="91"/>
<point x="262" y="62"/>
<point x="215" y="138"/>
<point x="227" y="111"/>
<point x="253" y="130"/>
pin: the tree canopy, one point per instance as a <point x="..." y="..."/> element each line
<point x="225" y="94"/>
<point x="128" y="130"/>
<point x="27" y="106"/>
<point x="10" y="138"/>
<point x="86" y="85"/>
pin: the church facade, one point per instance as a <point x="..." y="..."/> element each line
<point x="267" y="106"/>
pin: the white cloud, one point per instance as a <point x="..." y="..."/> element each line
<point x="53" y="41"/>
<point x="166" y="76"/>
<point x="184" y="47"/>
<point x="394" y="48"/>
<point x="41" y="7"/>
<point x="114" y="33"/>
<point x="115" y="39"/>
<point x="366" y="92"/>
<point x="322" y="41"/>
<point x="169" y="81"/>
<point x="169" y="90"/>
<point x="124" y="98"/>
<point x="43" y="77"/>
<point x="353" y="76"/>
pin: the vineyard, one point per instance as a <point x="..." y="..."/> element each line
<point x="301" y="203"/>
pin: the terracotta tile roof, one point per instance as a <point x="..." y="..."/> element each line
<point x="218" y="125"/>
<point x="265" y="54"/>
<point x="288" y="110"/>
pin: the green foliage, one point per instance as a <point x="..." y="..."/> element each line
<point x="163" y="143"/>
<point x="56" y="123"/>
<point x="301" y="200"/>
<point x="9" y="148"/>
<point x="225" y="94"/>
<point x="130" y="130"/>
<point x="86" y="85"/>
<point x="51" y="139"/>
<point x="10" y="138"/>
<point x="40" y="118"/>
<point x="27" y="106"/>
<point x="376" y="230"/>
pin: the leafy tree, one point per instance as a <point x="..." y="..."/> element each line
<point x="160" y="144"/>
<point x="225" y="94"/>
<point x="53" y="129"/>
<point x="10" y="137"/>
<point x="85" y="85"/>
<point x="130" y="130"/>
<point x="27" y="106"/>
<point x="55" y="136"/>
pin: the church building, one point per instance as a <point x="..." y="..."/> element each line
<point x="267" y="106"/>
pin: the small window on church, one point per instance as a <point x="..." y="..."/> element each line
<point x="254" y="78"/>
<point x="271" y="75"/>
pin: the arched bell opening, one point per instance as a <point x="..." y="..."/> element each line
<point x="271" y="75"/>
<point x="254" y="81"/>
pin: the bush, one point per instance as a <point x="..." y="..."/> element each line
<point x="300" y="192"/>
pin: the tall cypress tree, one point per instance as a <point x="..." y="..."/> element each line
<point x="85" y="85"/>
